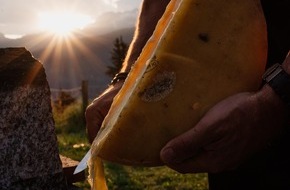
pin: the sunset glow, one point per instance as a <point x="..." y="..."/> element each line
<point x="71" y="39"/>
<point x="63" y="23"/>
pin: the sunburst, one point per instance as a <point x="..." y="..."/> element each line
<point x="63" y="23"/>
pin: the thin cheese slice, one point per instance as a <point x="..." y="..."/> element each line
<point x="97" y="175"/>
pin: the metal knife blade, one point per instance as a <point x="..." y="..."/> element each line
<point x="83" y="163"/>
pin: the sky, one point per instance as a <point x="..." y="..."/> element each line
<point x="22" y="17"/>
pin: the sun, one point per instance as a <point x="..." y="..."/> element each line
<point x="63" y="23"/>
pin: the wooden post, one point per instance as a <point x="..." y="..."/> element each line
<point x="85" y="96"/>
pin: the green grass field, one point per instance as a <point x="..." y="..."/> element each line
<point x="73" y="143"/>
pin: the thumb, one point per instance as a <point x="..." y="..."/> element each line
<point x="184" y="147"/>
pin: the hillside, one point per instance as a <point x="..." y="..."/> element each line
<point x="67" y="63"/>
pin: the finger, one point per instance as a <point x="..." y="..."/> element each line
<point x="185" y="146"/>
<point x="193" y="165"/>
<point x="94" y="118"/>
<point x="286" y="62"/>
<point x="190" y="143"/>
<point x="204" y="162"/>
<point x="97" y="111"/>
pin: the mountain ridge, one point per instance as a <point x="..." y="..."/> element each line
<point x="67" y="63"/>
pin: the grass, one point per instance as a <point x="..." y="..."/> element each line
<point x="154" y="178"/>
<point x="73" y="143"/>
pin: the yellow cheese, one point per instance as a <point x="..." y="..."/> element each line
<point x="200" y="53"/>
<point x="97" y="174"/>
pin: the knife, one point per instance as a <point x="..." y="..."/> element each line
<point x="83" y="163"/>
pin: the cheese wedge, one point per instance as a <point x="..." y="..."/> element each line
<point x="200" y="53"/>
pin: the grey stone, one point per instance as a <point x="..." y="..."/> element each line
<point x="29" y="157"/>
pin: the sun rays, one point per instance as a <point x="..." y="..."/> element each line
<point x="68" y="57"/>
<point x="68" y="60"/>
<point x="63" y="46"/>
<point x="61" y="29"/>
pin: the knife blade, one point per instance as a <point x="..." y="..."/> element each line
<point x="83" y="163"/>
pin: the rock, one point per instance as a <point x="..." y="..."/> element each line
<point x="29" y="157"/>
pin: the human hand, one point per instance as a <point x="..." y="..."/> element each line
<point x="229" y="133"/>
<point x="98" y="109"/>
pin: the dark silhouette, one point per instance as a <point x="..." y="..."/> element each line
<point x="118" y="55"/>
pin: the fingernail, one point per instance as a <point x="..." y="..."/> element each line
<point x="168" y="155"/>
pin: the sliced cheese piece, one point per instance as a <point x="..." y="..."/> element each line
<point x="200" y="53"/>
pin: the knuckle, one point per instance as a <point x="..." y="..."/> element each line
<point x="91" y="111"/>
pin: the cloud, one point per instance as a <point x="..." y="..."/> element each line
<point x="20" y="16"/>
<point x="113" y="3"/>
<point x="123" y="5"/>
<point x="118" y="20"/>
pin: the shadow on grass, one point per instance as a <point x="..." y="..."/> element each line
<point x="153" y="178"/>
<point x="118" y="177"/>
